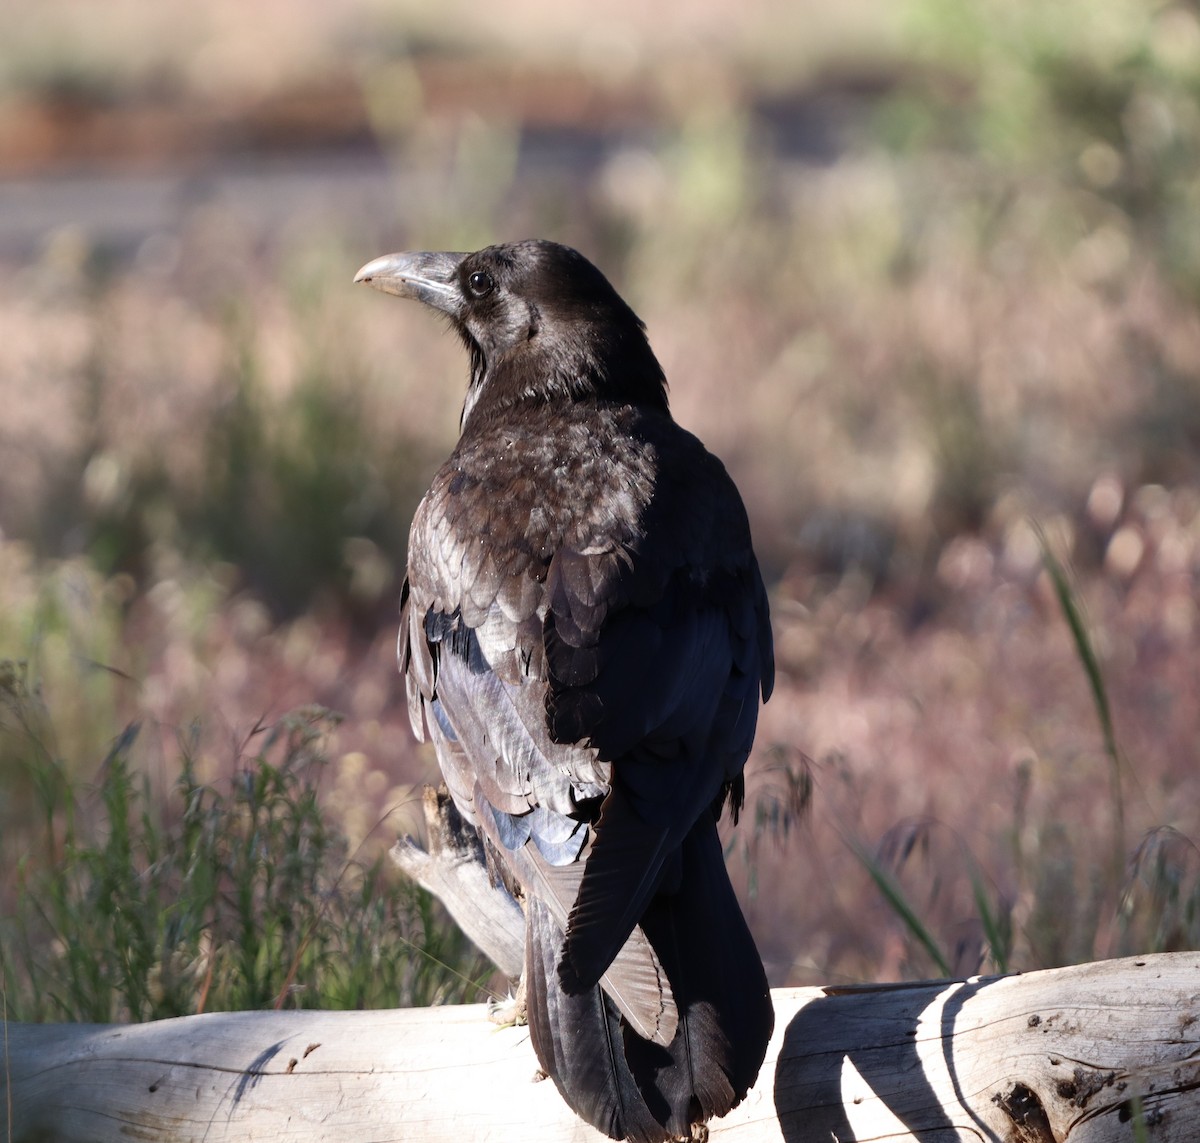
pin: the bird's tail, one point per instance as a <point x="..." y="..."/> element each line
<point x="631" y="1088"/>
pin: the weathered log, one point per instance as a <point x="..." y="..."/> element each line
<point x="1071" y="1055"/>
<point x="454" y="870"/>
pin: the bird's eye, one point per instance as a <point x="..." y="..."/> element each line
<point x="480" y="283"/>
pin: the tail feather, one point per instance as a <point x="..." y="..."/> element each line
<point x="633" y="1088"/>
<point x="720" y="989"/>
<point x="578" y="1039"/>
<point x="634" y="979"/>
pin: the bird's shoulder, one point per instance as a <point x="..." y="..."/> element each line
<point x="617" y="488"/>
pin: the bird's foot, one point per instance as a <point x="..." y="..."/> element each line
<point x="509" y="1011"/>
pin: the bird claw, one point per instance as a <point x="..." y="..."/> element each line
<point x="509" y="1011"/>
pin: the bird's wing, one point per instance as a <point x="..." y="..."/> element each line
<point x="489" y="756"/>
<point x="667" y="686"/>
<point x="618" y="666"/>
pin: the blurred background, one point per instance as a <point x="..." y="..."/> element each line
<point x="924" y="273"/>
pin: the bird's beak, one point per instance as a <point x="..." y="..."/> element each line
<point x="429" y="277"/>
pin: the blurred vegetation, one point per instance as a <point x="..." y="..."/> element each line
<point x="133" y="906"/>
<point x="921" y="272"/>
<point x="295" y="486"/>
<point x="300" y="491"/>
<point x="1147" y="902"/>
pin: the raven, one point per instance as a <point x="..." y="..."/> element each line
<point x="584" y="636"/>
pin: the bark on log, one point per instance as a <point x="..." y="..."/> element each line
<point x="1072" y="1055"/>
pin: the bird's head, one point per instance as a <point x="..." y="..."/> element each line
<point x="540" y="322"/>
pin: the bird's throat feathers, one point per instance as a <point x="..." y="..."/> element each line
<point x="559" y="361"/>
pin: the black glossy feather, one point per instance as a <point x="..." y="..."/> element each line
<point x="585" y="638"/>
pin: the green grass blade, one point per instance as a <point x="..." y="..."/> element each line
<point x="996" y="929"/>
<point x="1073" y="613"/>
<point x="898" y="903"/>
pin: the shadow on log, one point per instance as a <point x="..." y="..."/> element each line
<point x="1063" y="1056"/>
<point x="1092" y="1053"/>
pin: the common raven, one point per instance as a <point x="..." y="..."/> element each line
<point x="584" y="637"/>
